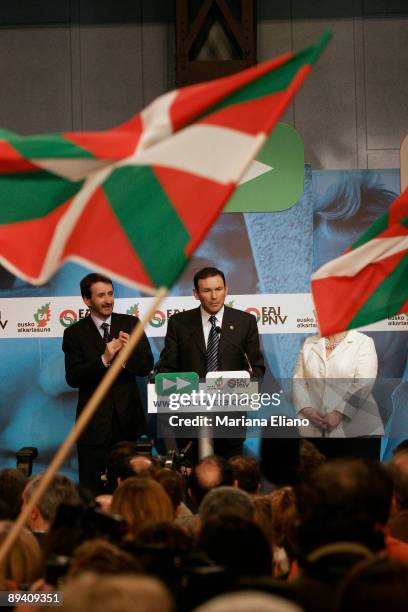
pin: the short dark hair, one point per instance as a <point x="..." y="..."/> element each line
<point x="89" y="280"/>
<point x="246" y="472"/>
<point x="207" y="273"/>
<point x="118" y="463"/>
<point x="346" y="501"/>
<point x="12" y="483"/>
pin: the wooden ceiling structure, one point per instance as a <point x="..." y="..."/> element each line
<point x="214" y="38"/>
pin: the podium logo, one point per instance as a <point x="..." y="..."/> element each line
<point x="176" y="382"/>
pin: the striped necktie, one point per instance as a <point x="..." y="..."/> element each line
<point x="105" y="327"/>
<point x="212" y="346"/>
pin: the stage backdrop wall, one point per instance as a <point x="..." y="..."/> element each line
<point x="267" y="258"/>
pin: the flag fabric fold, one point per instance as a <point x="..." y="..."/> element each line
<point x="370" y="281"/>
<point x="136" y="200"/>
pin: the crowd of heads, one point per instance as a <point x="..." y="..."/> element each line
<point x="219" y="538"/>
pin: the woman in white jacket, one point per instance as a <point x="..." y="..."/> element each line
<point x="332" y="386"/>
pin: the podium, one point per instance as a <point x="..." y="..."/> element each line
<point x="186" y="405"/>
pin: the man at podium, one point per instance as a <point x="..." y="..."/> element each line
<point x="213" y="337"/>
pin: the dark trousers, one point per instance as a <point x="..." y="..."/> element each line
<point x="92" y="458"/>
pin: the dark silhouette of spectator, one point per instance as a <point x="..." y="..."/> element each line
<point x="172" y="483"/>
<point x="398" y="522"/>
<point x="12" y="483"/>
<point x="124" y="461"/>
<point x="376" y="585"/>
<point x="102" y="557"/>
<point x="400" y="456"/>
<point x="246" y="473"/>
<point x="164" y="550"/>
<point x="342" y="515"/>
<point x="237" y="544"/>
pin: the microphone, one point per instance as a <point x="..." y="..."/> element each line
<point x="250" y="370"/>
<point x="153" y="372"/>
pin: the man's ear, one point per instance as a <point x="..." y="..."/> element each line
<point x="195" y="293"/>
<point x="87" y="301"/>
<point x="34" y="516"/>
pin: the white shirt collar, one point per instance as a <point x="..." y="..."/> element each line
<point x="98" y="322"/>
<point x="205" y="316"/>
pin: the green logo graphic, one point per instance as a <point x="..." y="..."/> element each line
<point x="133" y="310"/>
<point x="275" y="180"/>
<point x="176" y="382"/>
<point x="43" y="315"/>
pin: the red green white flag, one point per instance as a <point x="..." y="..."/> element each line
<point x="370" y="281"/>
<point x="135" y="201"/>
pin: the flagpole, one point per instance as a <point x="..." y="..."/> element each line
<point x="83" y="420"/>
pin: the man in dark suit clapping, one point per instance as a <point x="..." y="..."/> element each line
<point x="90" y="346"/>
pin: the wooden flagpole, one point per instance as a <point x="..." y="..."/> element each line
<point x="83" y="420"/>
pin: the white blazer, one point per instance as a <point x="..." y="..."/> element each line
<point x="342" y="381"/>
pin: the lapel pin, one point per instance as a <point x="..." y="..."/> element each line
<point x="231" y="327"/>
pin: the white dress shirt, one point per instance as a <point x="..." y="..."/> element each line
<point x="205" y="318"/>
<point x="98" y="322"/>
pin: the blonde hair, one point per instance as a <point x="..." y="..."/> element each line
<point x="23" y="563"/>
<point x="142" y="502"/>
<point x="124" y="593"/>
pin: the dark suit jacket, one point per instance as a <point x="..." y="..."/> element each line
<point x="185" y="351"/>
<point x="83" y="347"/>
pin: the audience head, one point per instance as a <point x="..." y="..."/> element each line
<point x="102" y="557"/>
<point x="248" y="601"/>
<point x="400" y="457"/>
<point x="160" y="548"/>
<point x="310" y="458"/>
<point x="23" y="562"/>
<point x="124" y="461"/>
<point x="400" y="483"/>
<point x="172" y="483"/>
<point x="246" y="473"/>
<point x="124" y="593"/>
<point x="61" y="490"/>
<point x="263" y="516"/>
<point x="12" y="483"/>
<point x="237" y="544"/>
<point x="376" y="585"/>
<point x="141" y="501"/>
<point x="226" y="501"/>
<point x="284" y="519"/>
<point x="348" y="500"/>
<point x="209" y="473"/>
